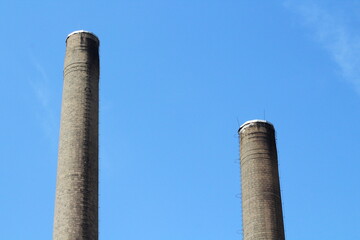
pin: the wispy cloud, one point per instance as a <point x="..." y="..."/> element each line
<point x="41" y="88"/>
<point x="335" y="34"/>
<point x="40" y="85"/>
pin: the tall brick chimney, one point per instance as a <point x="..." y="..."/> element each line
<point x="76" y="204"/>
<point x="261" y="200"/>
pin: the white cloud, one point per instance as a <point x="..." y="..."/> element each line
<point x="40" y="86"/>
<point x="339" y="38"/>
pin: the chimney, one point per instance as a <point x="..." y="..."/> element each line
<point x="261" y="198"/>
<point x="76" y="204"/>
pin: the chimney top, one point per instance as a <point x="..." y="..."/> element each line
<point x="253" y="122"/>
<point x="90" y="34"/>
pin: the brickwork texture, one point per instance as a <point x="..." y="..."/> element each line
<point x="261" y="198"/>
<point x="76" y="204"/>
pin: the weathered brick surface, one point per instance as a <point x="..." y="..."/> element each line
<point x="76" y="204"/>
<point x="261" y="199"/>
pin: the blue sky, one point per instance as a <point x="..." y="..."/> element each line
<point x="177" y="79"/>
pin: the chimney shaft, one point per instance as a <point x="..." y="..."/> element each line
<point x="76" y="204"/>
<point x="261" y="198"/>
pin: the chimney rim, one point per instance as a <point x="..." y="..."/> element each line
<point x="91" y="34"/>
<point x="252" y="122"/>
